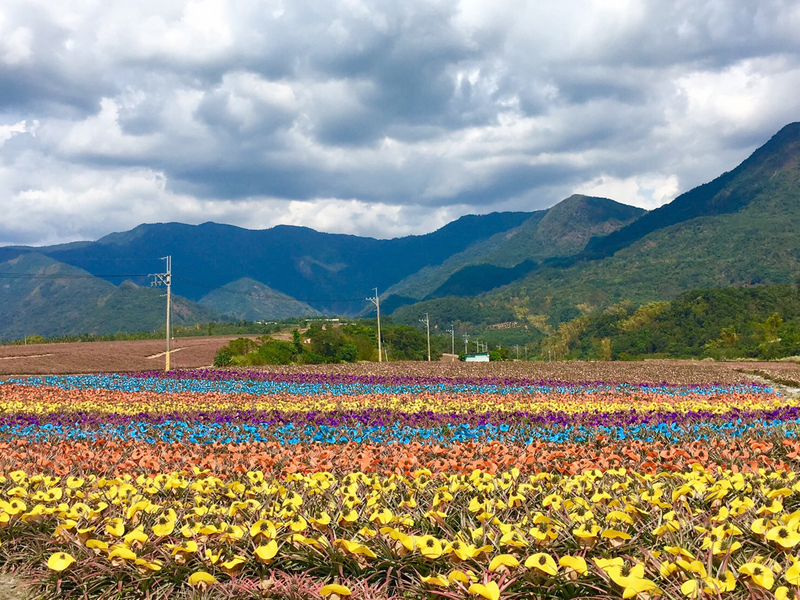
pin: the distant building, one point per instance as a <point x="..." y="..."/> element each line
<point x="506" y="325"/>
<point x="483" y="357"/>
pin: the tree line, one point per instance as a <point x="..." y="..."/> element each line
<point x="760" y="322"/>
<point x="331" y="342"/>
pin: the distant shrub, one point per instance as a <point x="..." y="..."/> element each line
<point x="274" y="352"/>
<point x="223" y="357"/>
<point x="242" y="346"/>
<point x="230" y="353"/>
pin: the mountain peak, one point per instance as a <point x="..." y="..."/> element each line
<point x="593" y="208"/>
<point x="780" y="151"/>
<point x="247" y="298"/>
<point x="789" y="134"/>
<point x="774" y="165"/>
<point x="570" y="224"/>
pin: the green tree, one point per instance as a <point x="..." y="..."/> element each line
<point x="223" y="357"/>
<point x="408" y="343"/>
<point x="297" y="341"/>
<point x="769" y="346"/>
<point x="327" y="342"/>
<point x="241" y="346"/>
<point x="605" y="349"/>
<point x="726" y="346"/>
<point x="273" y="352"/>
<point x="348" y="352"/>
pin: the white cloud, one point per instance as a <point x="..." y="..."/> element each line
<point x="9" y="131"/>
<point x="91" y="203"/>
<point x="15" y="47"/>
<point x="99" y="134"/>
<point x="373" y="118"/>
<point x="648" y="191"/>
<point x="747" y="94"/>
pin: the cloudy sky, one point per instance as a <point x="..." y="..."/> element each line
<point x="375" y="118"/>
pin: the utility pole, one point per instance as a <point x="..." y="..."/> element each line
<point x="377" y="302"/>
<point x="165" y="279"/>
<point x="427" y="322"/>
<point x="466" y="341"/>
<point x="452" y="332"/>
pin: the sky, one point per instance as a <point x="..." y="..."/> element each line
<point x="374" y="118"/>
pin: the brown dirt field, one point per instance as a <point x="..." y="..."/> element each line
<point x="97" y="357"/>
<point x="783" y="372"/>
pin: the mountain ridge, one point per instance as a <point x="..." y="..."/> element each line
<point x="250" y="300"/>
<point x="740" y="229"/>
<point x="691" y="203"/>
<point x="43" y="296"/>
<point x="297" y="261"/>
<point x="560" y="231"/>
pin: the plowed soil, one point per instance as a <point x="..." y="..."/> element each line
<point x="105" y="357"/>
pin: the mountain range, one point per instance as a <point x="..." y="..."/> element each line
<point x="560" y="231"/>
<point x="738" y="230"/>
<point x="741" y="229"/>
<point x="42" y="296"/>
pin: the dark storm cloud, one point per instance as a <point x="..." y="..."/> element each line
<point x="325" y="113"/>
<point x="513" y="181"/>
<point x="231" y="182"/>
<point x="47" y="92"/>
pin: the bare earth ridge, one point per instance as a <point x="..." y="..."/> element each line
<point x="105" y="357"/>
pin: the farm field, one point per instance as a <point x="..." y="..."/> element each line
<point x="196" y="352"/>
<point x="670" y="479"/>
<point x="95" y="357"/>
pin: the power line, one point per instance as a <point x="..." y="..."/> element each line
<point x="165" y="279"/>
<point x="65" y="276"/>
<point x="83" y="260"/>
<point x="277" y="295"/>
